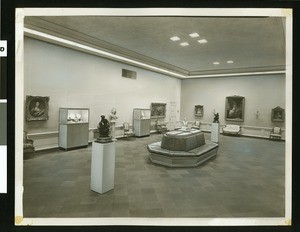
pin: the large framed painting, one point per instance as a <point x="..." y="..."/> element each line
<point x="158" y="110"/>
<point x="277" y="114"/>
<point x="198" y="111"/>
<point x="234" y="108"/>
<point x="37" y="108"/>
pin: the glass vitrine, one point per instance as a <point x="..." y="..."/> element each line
<point x="73" y="127"/>
<point x="141" y="122"/>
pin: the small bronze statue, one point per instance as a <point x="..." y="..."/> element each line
<point x="216" y="118"/>
<point x="103" y="129"/>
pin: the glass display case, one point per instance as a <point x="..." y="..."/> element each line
<point x="141" y="122"/>
<point x="73" y="127"/>
<point x="73" y="115"/>
<point x="141" y="114"/>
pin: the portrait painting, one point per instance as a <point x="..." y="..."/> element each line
<point x="234" y="108"/>
<point x="198" y="111"/>
<point x="158" y="110"/>
<point x="277" y="114"/>
<point x="37" y="108"/>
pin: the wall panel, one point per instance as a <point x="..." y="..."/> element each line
<point x="262" y="93"/>
<point x="76" y="79"/>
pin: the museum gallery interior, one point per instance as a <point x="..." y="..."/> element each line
<point x="155" y="117"/>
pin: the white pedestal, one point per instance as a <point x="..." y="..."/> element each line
<point x="102" y="167"/>
<point x="113" y="129"/>
<point x="215" y="131"/>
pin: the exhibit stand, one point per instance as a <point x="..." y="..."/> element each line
<point x="113" y="129"/>
<point x="141" y="122"/>
<point x="102" y="167"/>
<point x="215" y="131"/>
<point x="73" y="128"/>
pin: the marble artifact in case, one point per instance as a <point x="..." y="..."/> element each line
<point x="141" y="122"/>
<point x="73" y="127"/>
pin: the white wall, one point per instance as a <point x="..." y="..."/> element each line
<point x="76" y="79"/>
<point x="262" y="93"/>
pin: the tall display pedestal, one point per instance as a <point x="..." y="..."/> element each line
<point x="215" y="131"/>
<point x="102" y="167"/>
<point x="113" y="129"/>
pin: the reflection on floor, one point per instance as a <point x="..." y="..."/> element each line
<point x="246" y="179"/>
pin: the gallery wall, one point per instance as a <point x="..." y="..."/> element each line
<point x="76" y="79"/>
<point x="261" y="92"/>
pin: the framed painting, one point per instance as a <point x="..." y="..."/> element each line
<point x="158" y="110"/>
<point x="234" y="108"/>
<point x="277" y="114"/>
<point x="198" y="110"/>
<point x="37" y="108"/>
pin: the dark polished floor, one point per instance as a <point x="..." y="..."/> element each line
<point x="246" y="179"/>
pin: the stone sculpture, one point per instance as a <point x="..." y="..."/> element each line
<point x="113" y="115"/>
<point x="113" y="118"/>
<point x="184" y="124"/>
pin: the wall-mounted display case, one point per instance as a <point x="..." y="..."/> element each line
<point x="73" y="127"/>
<point x="141" y="122"/>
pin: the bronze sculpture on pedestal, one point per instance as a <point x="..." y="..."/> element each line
<point x="103" y="129"/>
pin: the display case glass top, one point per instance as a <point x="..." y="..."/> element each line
<point x="73" y="115"/>
<point x="139" y="114"/>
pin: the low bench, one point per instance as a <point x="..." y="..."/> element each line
<point x="232" y="129"/>
<point x="191" y="158"/>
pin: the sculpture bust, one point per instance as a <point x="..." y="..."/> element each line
<point x="216" y="118"/>
<point x="113" y="115"/>
<point x="103" y="129"/>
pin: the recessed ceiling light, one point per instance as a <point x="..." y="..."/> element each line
<point x="175" y="38"/>
<point x="194" y="35"/>
<point x="184" y="44"/>
<point x="202" y="41"/>
<point x="229" y="62"/>
<point x="216" y="62"/>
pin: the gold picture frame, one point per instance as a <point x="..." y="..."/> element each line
<point x="158" y="110"/>
<point x="37" y="108"/>
<point x="277" y="114"/>
<point x="198" y="110"/>
<point x="235" y="108"/>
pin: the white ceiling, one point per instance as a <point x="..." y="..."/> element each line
<point x="253" y="43"/>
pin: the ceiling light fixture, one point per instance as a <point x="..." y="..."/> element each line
<point x="229" y="62"/>
<point x="238" y="74"/>
<point x="184" y="44"/>
<point x="202" y="41"/>
<point x="194" y="35"/>
<point x="175" y="38"/>
<point x="216" y="63"/>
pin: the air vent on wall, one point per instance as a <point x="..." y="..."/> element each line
<point x="128" y="74"/>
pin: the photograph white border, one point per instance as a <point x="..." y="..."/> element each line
<point x="19" y="113"/>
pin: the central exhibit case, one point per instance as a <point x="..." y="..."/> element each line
<point x="73" y="128"/>
<point x="141" y="122"/>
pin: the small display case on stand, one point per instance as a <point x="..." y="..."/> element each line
<point x="73" y="128"/>
<point x="141" y="122"/>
